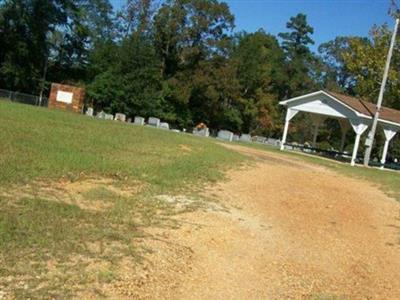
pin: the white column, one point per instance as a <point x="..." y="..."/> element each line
<point x="290" y="113"/>
<point x="389" y="134"/>
<point x="359" y="128"/>
<point x="355" y="149"/>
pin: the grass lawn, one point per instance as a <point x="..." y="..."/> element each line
<point x="54" y="225"/>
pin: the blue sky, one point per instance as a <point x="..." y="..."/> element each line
<point x="330" y="18"/>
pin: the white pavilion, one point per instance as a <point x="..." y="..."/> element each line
<point x="351" y="112"/>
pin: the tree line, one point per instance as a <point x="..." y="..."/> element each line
<point x="182" y="61"/>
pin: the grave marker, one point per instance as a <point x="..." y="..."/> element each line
<point x="201" y="132"/>
<point x="225" y="135"/>
<point x="139" y="121"/>
<point x="89" y="112"/>
<point x="101" y="115"/>
<point x="245" y="138"/>
<point x="153" y="122"/>
<point x="164" y="125"/>
<point x="120" y="117"/>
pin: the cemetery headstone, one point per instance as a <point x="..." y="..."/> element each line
<point x="120" y="117"/>
<point x="138" y="121"/>
<point x="201" y="132"/>
<point x="89" y="112"/>
<point x="261" y="139"/>
<point x="225" y="135"/>
<point x="235" y="138"/>
<point x="109" y="117"/>
<point x="272" y="141"/>
<point x="245" y="138"/>
<point x="153" y="122"/>
<point x="164" y="125"/>
<point x="101" y="115"/>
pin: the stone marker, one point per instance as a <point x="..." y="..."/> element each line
<point x="109" y="117"/>
<point x="175" y="130"/>
<point x="201" y="132"/>
<point x="235" y="138"/>
<point x="101" y="115"/>
<point x="139" y="121"/>
<point x="153" y="122"/>
<point x="129" y="120"/>
<point x="260" y="139"/>
<point x="272" y="141"/>
<point x="164" y="125"/>
<point x="225" y="135"/>
<point x="120" y="117"/>
<point x="89" y="112"/>
<point x="245" y="138"/>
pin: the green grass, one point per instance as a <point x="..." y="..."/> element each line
<point x="387" y="180"/>
<point x="49" y="240"/>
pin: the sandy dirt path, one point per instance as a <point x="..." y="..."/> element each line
<point x="293" y="230"/>
<point x="282" y="229"/>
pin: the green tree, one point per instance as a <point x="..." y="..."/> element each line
<point x="299" y="58"/>
<point x="190" y="36"/>
<point x="365" y="61"/>
<point x="259" y="61"/>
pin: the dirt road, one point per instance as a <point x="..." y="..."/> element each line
<point x="291" y="230"/>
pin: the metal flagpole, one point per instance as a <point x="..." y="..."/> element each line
<point x="371" y="135"/>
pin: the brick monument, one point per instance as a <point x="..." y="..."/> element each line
<point x="66" y="97"/>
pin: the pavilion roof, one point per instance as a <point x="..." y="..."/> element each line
<point x="367" y="108"/>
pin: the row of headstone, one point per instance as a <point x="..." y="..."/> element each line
<point x="104" y="116"/>
<point x="152" y="121"/>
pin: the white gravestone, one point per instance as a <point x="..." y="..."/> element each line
<point x="245" y="138"/>
<point x="153" y="122"/>
<point x="164" y="125"/>
<point x="225" y="135"/>
<point x="109" y="117"/>
<point x="89" y="112"/>
<point x="120" y="117"/>
<point x="272" y="141"/>
<point x="201" y="132"/>
<point x="235" y="138"/>
<point x="138" y="121"/>
<point x="260" y="139"/>
<point x="101" y="115"/>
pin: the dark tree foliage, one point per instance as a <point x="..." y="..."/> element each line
<point x="181" y="61"/>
